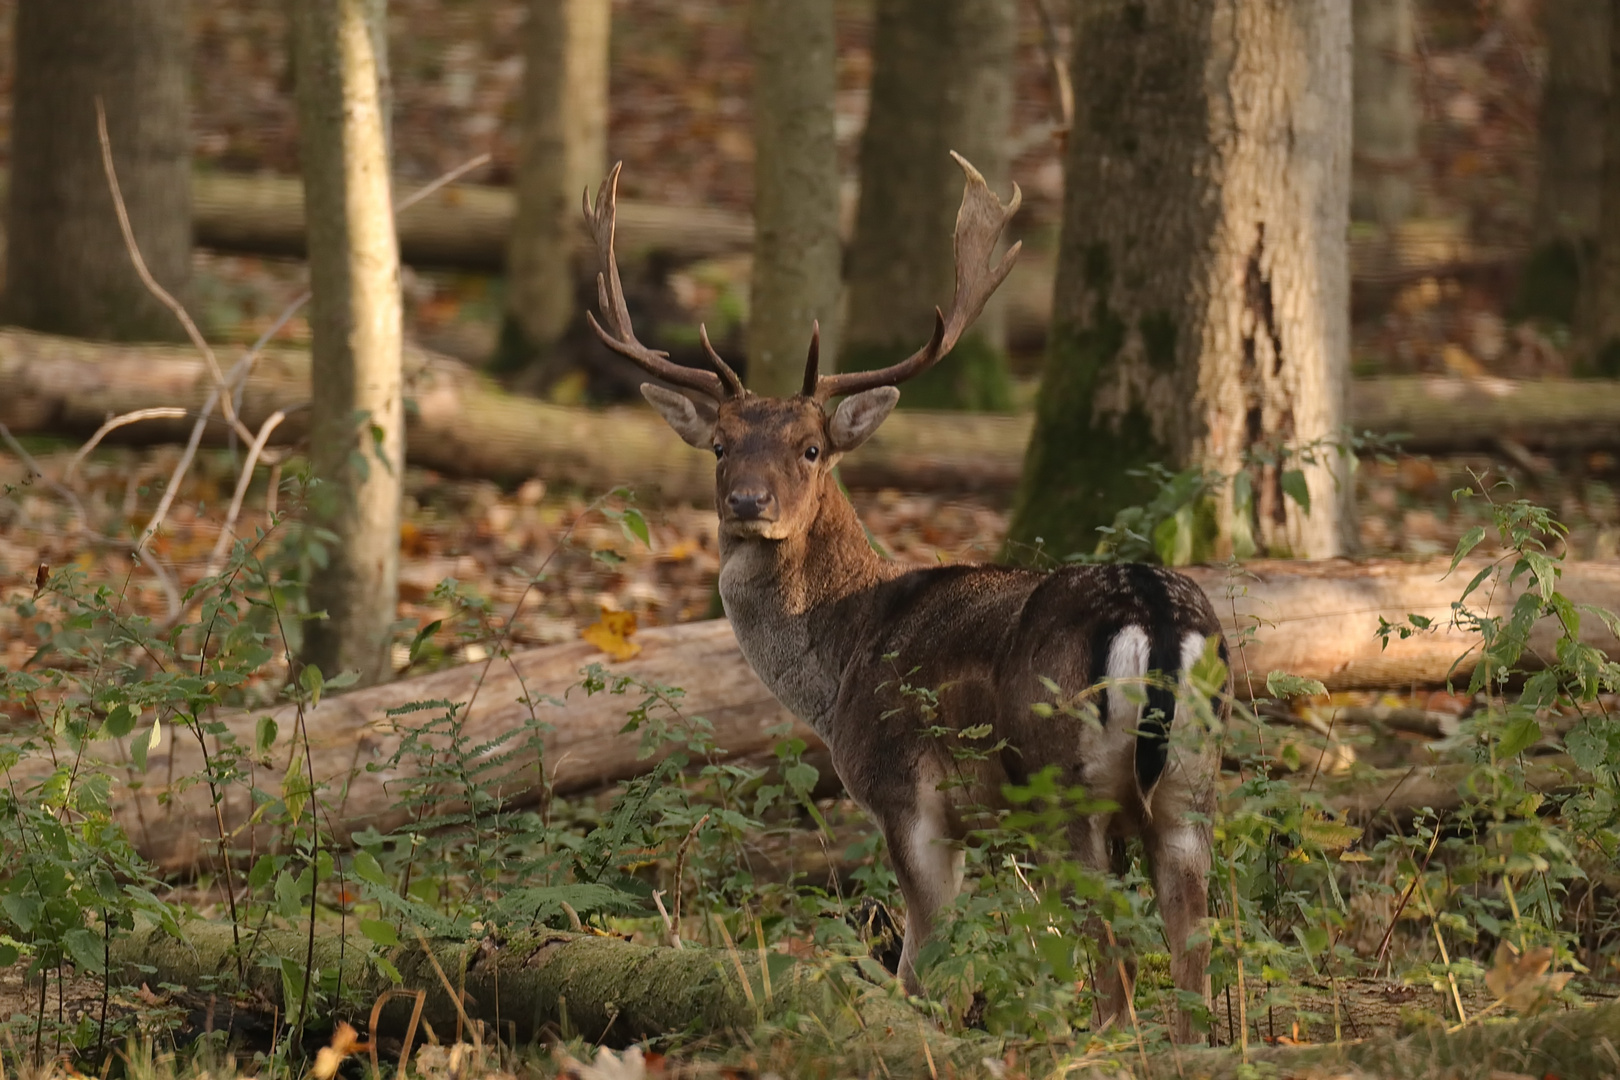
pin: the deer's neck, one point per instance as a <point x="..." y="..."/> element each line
<point x="797" y="604"/>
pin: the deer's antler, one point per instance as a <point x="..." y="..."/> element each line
<point x="979" y="224"/>
<point x="619" y="336"/>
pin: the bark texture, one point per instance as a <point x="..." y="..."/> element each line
<point x="1601" y="319"/>
<point x="1201" y="307"/>
<point x="1385" y="124"/>
<point x="1570" y="136"/>
<point x="797" y="253"/>
<point x="460" y="425"/>
<point x="610" y="989"/>
<point x="562" y="151"/>
<point x="941" y="81"/>
<point x="1316" y="620"/>
<point x="357" y="418"/>
<point x="67" y="271"/>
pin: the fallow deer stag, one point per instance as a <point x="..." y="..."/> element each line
<point x="832" y="628"/>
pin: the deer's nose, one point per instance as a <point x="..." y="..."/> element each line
<point x="749" y="505"/>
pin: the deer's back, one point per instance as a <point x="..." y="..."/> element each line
<point x="960" y="647"/>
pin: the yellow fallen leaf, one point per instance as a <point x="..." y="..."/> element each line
<point x="1520" y="979"/>
<point x="1458" y="362"/>
<point x="611" y="633"/>
<point x="345" y="1041"/>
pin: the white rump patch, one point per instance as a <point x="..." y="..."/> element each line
<point x="1127" y="664"/>
<point x="1192" y="651"/>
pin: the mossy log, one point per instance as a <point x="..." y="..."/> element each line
<point x="462" y="425"/>
<point x="599" y="988"/>
<point x="1317" y="621"/>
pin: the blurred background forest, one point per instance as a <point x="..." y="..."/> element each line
<point x="1476" y="171"/>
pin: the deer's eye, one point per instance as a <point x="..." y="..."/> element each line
<point x="812" y="453"/>
<point x="719" y="451"/>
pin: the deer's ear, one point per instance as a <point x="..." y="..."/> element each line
<point x="859" y="415"/>
<point x="692" y="421"/>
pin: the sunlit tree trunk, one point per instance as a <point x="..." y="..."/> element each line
<point x="797" y="253"/>
<point x="1385" y="128"/>
<point x="562" y="150"/>
<point x="1570" y="129"/>
<point x="66" y="268"/>
<point x="941" y="81"/>
<point x="356" y="413"/>
<point x="1201" y="308"/>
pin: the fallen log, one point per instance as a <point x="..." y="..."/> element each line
<point x="461" y="424"/>
<point x="598" y="988"/>
<point x="1316" y="620"/>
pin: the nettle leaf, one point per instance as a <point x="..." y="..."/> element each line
<point x="1281" y="684"/>
<point x="380" y="932"/>
<point x="23" y="909"/>
<point x="1592" y="748"/>
<point x="1519" y="736"/>
<point x="86" y="949"/>
<point x="634" y="525"/>
<point x="1294" y="486"/>
<point x="1470" y="540"/>
<point x="366" y="868"/>
<point x="120" y="721"/>
<point x="264" y="735"/>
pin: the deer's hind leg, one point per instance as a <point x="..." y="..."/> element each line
<point x="1179" y="856"/>
<point x="927" y="857"/>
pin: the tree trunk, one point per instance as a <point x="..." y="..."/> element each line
<point x="1601" y="318"/>
<point x="1201" y="309"/>
<point x="357" y="419"/>
<point x="460" y="425"/>
<point x="1315" y="620"/>
<point x="797" y="251"/>
<point x="1570" y="130"/>
<point x="1384" y="136"/>
<point x="562" y="152"/>
<point x="941" y="77"/>
<point x="67" y="271"/>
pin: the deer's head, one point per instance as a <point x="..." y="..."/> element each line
<point x="774" y="456"/>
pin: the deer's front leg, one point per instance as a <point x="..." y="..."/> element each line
<point x="928" y="864"/>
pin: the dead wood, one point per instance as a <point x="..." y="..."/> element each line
<point x="538" y="982"/>
<point x="1319" y="623"/>
<point x="460" y="424"/>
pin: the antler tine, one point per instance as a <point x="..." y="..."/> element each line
<point x="979" y="224"/>
<point x="600" y="220"/>
<point x="812" y="362"/>
<point x="734" y="386"/>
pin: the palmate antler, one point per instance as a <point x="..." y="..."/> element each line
<point x="979" y="224"/>
<point x="619" y="336"/>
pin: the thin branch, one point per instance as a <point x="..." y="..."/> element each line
<point x="161" y="412"/>
<point x="448" y="178"/>
<point x="227" y="531"/>
<point x="151" y="283"/>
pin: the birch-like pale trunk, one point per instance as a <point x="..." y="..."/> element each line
<point x="562" y="151"/>
<point x="797" y="273"/>
<point x="357" y="420"/>
<point x="1201" y="307"/>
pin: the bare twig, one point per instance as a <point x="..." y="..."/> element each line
<point x="227" y="530"/>
<point x="162" y="412"/>
<point x="163" y="295"/>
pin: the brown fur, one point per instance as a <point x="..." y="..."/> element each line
<point x="834" y="630"/>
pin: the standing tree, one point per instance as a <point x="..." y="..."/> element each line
<point x="941" y="81"/>
<point x="796" y="246"/>
<point x="1570" y="134"/>
<point x="1385" y="128"/>
<point x="1201" y="307"/>
<point x="357" y="418"/>
<point x="66" y="272"/>
<point x="562" y="150"/>
<point x="1601" y="315"/>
